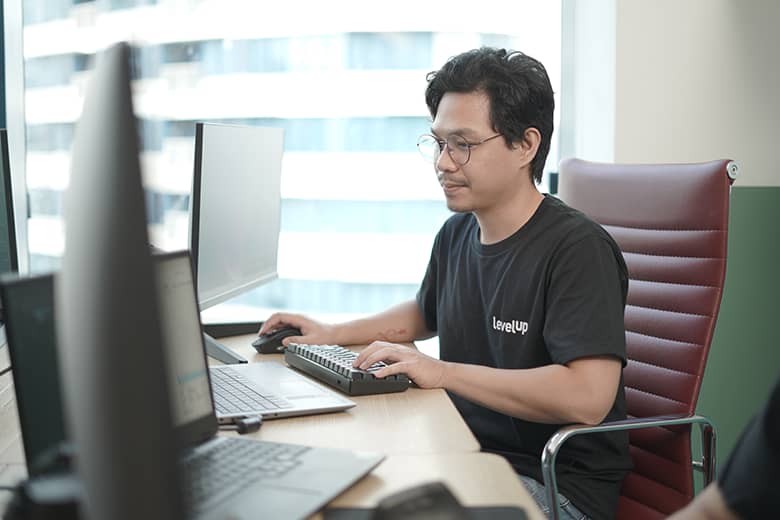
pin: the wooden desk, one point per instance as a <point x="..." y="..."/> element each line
<point x="411" y="422"/>
<point x="476" y="479"/>
<point x="12" y="465"/>
<point x="420" y="431"/>
<point x="10" y="438"/>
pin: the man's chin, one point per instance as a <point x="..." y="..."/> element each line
<point x="457" y="208"/>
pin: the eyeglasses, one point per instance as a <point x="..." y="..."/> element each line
<point x="459" y="149"/>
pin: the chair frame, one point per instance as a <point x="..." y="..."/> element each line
<point x="708" y="439"/>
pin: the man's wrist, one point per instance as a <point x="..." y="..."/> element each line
<point x="338" y="334"/>
<point x="447" y="374"/>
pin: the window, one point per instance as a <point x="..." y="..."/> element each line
<point x="359" y="208"/>
<point x="397" y="50"/>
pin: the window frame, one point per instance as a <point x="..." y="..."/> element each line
<point x="14" y="119"/>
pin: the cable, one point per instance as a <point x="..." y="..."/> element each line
<point x="244" y="425"/>
<point x="7" y="488"/>
<point x="5" y="370"/>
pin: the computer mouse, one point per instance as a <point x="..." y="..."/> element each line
<point x="271" y="343"/>
<point x="432" y="501"/>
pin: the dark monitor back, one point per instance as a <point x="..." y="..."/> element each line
<point x="29" y="308"/>
<point x="8" y="254"/>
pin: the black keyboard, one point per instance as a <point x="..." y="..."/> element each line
<point x="332" y="364"/>
<point x="219" y="470"/>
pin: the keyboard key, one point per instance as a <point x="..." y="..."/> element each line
<point x="224" y="468"/>
<point x="230" y="388"/>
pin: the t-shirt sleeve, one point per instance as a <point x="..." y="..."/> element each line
<point x="749" y="480"/>
<point x="588" y="282"/>
<point x="427" y="294"/>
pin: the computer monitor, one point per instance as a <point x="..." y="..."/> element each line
<point x="109" y="334"/>
<point x="32" y="341"/>
<point x="235" y="210"/>
<point x="9" y="260"/>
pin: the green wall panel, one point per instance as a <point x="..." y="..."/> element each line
<point x="744" y="360"/>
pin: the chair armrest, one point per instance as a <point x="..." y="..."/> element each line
<point x="550" y="451"/>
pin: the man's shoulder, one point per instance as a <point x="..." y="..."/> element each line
<point x="571" y="225"/>
<point x="559" y="212"/>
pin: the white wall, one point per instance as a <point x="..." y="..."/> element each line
<point x="699" y="80"/>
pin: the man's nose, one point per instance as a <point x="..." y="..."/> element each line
<point x="444" y="162"/>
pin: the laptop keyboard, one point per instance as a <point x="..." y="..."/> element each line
<point x="221" y="469"/>
<point x="232" y="394"/>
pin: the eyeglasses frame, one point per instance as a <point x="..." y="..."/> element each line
<point x="443" y="142"/>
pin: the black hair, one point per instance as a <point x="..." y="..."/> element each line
<point x="517" y="86"/>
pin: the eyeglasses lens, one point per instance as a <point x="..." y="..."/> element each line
<point x="430" y="148"/>
<point x="459" y="149"/>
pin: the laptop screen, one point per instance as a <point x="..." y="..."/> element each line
<point x="189" y="385"/>
<point x="183" y="338"/>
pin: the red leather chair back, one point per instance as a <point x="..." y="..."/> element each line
<point x="671" y="223"/>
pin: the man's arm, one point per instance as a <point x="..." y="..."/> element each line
<point x="402" y="323"/>
<point x="708" y="505"/>
<point x="747" y="486"/>
<point x="582" y="391"/>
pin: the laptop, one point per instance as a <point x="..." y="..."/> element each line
<point x="268" y="389"/>
<point x="224" y="477"/>
<point x="292" y="481"/>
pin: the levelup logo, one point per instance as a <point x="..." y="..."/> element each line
<point x="513" y="326"/>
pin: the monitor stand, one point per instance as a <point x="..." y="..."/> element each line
<point x="222" y="353"/>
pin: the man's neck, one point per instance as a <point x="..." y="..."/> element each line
<point x="503" y="221"/>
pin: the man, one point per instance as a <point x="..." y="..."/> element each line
<point x="747" y="487"/>
<point x="526" y="294"/>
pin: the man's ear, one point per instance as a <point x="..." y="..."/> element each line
<point x="529" y="145"/>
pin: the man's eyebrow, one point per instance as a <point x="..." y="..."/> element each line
<point x="464" y="132"/>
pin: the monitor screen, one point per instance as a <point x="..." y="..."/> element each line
<point x="235" y="209"/>
<point x="182" y="339"/>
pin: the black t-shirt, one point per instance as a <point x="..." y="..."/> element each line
<point x="552" y="292"/>
<point x="749" y="481"/>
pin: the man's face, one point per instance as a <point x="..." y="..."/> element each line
<point x="494" y="172"/>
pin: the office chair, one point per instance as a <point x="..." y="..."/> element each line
<point x="671" y="223"/>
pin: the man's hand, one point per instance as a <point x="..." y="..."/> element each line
<point x="312" y="332"/>
<point x="708" y="505"/>
<point x="425" y="371"/>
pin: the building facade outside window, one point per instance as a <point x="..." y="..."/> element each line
<point x="359" y="206"/>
